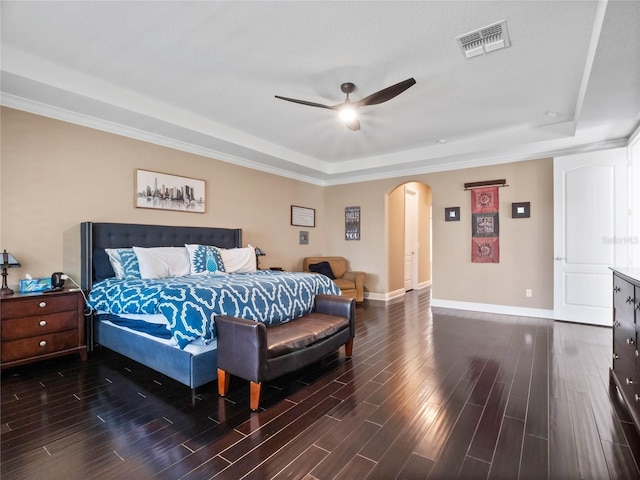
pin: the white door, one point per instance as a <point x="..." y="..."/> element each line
<point x="410" y="239"/>
<point x="590" y="223"/>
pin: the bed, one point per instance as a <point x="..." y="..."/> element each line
<point x="189" y="353"/>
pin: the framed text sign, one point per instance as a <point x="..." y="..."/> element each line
<point x="303" y="217"/>
<point x="352" y="223"/>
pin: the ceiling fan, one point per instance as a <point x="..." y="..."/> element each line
<point x="348" y="110"/>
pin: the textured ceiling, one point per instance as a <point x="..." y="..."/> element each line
<point x="201" y="77"/>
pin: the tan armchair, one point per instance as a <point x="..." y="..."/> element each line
<point x="351" y="284"/>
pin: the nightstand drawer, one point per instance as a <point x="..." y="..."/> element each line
<point x="17" y="328"/>
<point x="40" y="345"/>
<point x="39" y="305"/>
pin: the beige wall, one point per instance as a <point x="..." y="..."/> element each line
<point x="55" y="175"/>
<point x="526" y="245"/>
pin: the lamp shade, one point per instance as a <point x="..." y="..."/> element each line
<point x="9" y="261"/>
<point x="260" y="252"/>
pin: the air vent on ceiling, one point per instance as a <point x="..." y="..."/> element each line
<point x="484" y="40"/>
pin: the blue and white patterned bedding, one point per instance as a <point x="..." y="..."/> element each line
<point x="191" y="303"/>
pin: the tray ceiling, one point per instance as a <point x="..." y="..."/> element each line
<point x="201" y="77"/>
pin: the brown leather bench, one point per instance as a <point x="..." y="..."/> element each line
<point x="256" y="352"/>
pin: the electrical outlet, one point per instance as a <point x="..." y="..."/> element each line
<point x="528" y="292"/>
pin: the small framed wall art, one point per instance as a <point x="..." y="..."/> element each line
<point x="452" y="214"/>
<point x="302" y="216"/>
<point x="521" y="210"/>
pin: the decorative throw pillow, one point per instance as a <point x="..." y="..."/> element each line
<point x="162" y="262"/>
<point x="323" y="268"/>
<point x="205" y="260"/>
<point x="130" y="265"/>
<point x="237" y="260"/>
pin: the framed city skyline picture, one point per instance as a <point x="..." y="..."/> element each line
<point x="165" y="191"/>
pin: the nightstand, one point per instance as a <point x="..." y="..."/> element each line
<point x="39" y="326"/>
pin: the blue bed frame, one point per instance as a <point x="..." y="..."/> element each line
<point x="191" y="370"/>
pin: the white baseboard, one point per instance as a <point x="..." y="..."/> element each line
<point x="475" y="307"/>
<point x="490" y="308"/>
<point x="384" y="297"/>
<point x="396" y="294"/>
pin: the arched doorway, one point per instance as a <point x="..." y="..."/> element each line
<point x="409" y="238"/>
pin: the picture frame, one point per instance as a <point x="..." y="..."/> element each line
<point x="165" y="191"/>
<point x="352" y="223"/>
<point x="303" y="216"/>
<point x="452" y="214"/>
<point x="521" y="210"/>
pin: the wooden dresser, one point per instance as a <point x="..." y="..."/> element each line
<point x="625" y="372"/>
<point x="38" y="326"/>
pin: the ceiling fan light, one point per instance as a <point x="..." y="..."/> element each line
<point x="348" y="114"/>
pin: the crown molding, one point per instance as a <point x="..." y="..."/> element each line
<point x="458" y="162"/>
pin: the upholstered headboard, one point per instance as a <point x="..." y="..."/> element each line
<point x="95" y="237"/>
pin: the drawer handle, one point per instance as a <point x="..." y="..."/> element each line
<point x="616" y="289"/>
<point x="42" y="304"/>
<point x="637" y="397"/>
<point x="630" y="341"/>
<point x="616" y="324"/>
<point x="615" y="356"/>
<point x="43" y="343"/>
<point x="629" y="381"/>
<point x="43" y="323"/>
<point x="629" y="299"/>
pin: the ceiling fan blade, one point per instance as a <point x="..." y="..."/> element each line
<point x="386" y="93"/>
<point x="304" y="102"/>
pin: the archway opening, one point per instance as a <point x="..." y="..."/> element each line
<point x="409" y="227"/>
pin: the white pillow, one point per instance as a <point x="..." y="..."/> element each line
<point x="116" y="262"/>
<point x="162" y="262"/>
<point x="239" y="259"/>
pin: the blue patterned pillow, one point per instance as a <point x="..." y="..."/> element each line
<point x="205" y="260"/>
<point x="129" y="263"/>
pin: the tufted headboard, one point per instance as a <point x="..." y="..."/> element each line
<point x="95" y="237"/>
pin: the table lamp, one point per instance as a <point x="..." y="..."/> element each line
<point x="8" y="261"/>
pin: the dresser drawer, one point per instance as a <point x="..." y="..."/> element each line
<point x="38" y="305"/>
<point x="39" y="345"/>
<point x="17" y="328"/>
<point x="627" y="376"/>
<point x="624" y="334"/>
<point x="623" y="300"/>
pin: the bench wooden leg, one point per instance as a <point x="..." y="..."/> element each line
<point x="255" y="395"/>
<point x="348" y="348"/>
<point x="223" y="382"/>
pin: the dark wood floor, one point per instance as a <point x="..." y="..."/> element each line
<point x="429" y="393"/>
